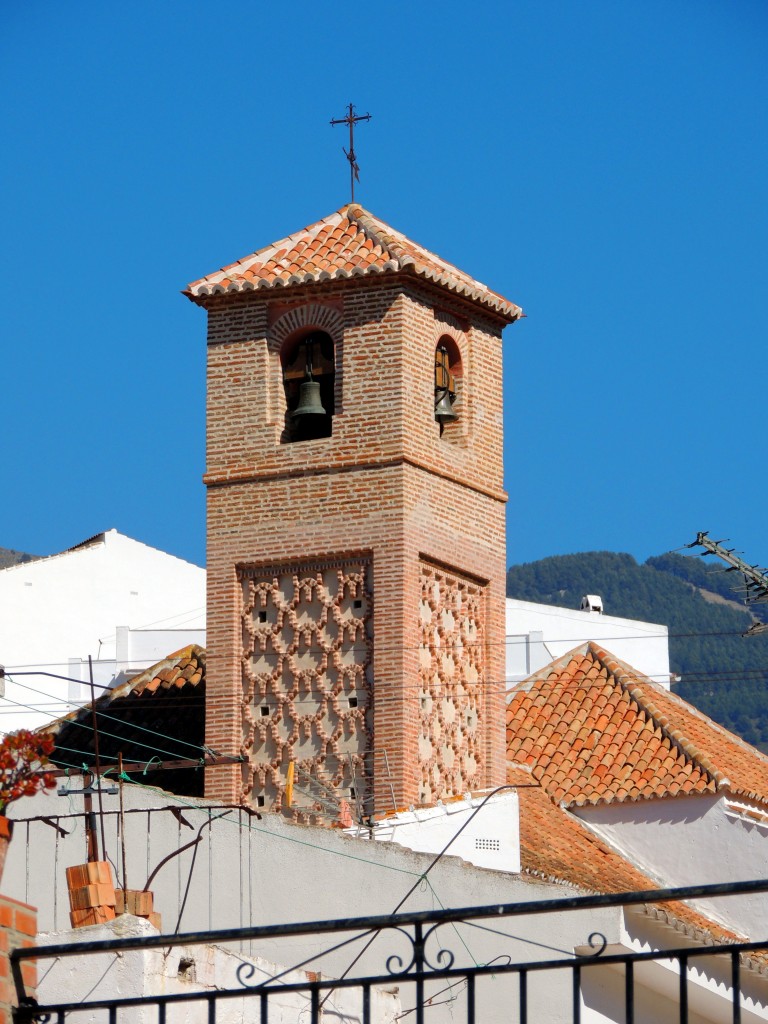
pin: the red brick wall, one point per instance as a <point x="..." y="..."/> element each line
<point x="386" y="483"/>
<point x="18" y="927"/>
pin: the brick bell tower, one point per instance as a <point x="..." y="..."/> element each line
<point x="356" y="555"/>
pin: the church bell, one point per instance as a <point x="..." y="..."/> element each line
<point x="444" y="411"/>
<point x="310" y="403"/>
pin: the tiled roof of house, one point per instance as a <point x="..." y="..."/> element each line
<point x="593" y="730"/>
<point x="573" y="855"/>
<point x="349" y="243"/>
<point x="156" y="715"/>
<point x="184" y="667"/>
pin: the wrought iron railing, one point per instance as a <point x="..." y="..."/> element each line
<point x="394" y="968"/>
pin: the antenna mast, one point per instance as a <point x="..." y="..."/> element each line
<point x="755" y="578"/>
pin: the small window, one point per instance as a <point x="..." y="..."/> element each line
<point x="309" y="374"/>
<point x="262" y="616"/>
<point x="264" y="711"/>
<point x="353" y="702"/>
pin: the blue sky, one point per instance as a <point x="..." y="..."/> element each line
<point x="603" y="164"/>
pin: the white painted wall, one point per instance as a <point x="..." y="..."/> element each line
<point x="136" y="650"/>
<point x="56" y="611"/>
<point x="489" y="840"/>
<point x="186" y="969"/>
<point x="270" y="871"/>
<point x="657" y="982"/>
<point x="538" y="634"/>
<point x="694" y="840"/>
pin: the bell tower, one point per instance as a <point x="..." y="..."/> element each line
<point x="355" y="522"/>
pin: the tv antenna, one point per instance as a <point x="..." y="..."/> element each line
<point x="755" y="578"/>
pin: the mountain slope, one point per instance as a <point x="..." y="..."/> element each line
<point x="10" y="557"/>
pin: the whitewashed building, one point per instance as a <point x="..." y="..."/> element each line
<point x="122" y="602"/>
<point x="540" y="633"/>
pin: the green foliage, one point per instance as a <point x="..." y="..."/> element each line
<point x="722" y="673"/>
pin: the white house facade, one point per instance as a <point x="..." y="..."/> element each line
<point x="122" y="602"/>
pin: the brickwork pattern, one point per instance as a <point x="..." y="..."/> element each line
<point x="307" y="674"/>
<point x="452" y="674"/>
<point x="18" y="927"/>
<point x="387" y="482"/>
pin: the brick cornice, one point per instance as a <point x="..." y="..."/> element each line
<point x="241" y="476"/>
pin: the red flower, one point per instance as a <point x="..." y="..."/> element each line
<point x="22" y="756"/>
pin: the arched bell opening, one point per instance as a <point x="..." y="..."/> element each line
<point x="448" y="383"/>
<point x="309" y="373"/>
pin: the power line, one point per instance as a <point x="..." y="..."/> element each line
<point x="512" y="640"/>
<point x="82" y="725"/>
<point x="181" y="703"/>
<point x="191" y="612"/>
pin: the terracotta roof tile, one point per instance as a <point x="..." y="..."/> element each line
<point x="349" y="242"/>
<point x="646" y="742"/>
<point x="167" y="699"/>
<point x="574" y="855"/>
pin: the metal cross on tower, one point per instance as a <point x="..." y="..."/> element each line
<point x="352" y="119"/>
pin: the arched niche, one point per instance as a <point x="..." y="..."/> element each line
<point x="308" y="365"/>
<point x="307" y="341"/>
<point x="449" y="384"/>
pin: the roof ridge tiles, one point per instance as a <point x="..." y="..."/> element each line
<point x="357" y="239"/>
<point x="647" y="743"/>
<point x="630" y="684"/>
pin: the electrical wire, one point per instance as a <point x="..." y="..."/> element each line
<point x="138" y="743"/>
<point x="196" y="806"/>
<point x="511" y="641"/>
<point x="158" y="622"/>
<point x="394" y="694"/>
<point x="423" y="876"/>
<point x="106" y="715"/>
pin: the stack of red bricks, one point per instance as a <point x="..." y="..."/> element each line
<point x="91" y="894"/>
<point x="138" y="902"/>
<point x="18" y="927"/>
<point x="93" y="898"/>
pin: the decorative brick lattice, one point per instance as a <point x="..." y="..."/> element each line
<point x="452" y="675"/>
<point x="307" y="666"/>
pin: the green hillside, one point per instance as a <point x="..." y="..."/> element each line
<point x="723" y="673"/>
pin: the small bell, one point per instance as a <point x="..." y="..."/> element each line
<point x="444" y="411"/>
<point x="309" y="399"/>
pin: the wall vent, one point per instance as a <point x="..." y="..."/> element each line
<point x="488" y="844"/>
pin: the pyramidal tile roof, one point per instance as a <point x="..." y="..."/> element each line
<point x="593" y="730"/>
<point x="349" y="243"/>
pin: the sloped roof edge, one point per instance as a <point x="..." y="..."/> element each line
<point x="348" y="243"/>
<point x="574" y="855"/>
<point x="594" y="730"/>
<point x="162" y="674"/>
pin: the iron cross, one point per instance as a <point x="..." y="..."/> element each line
<point x="352" y="119"/>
